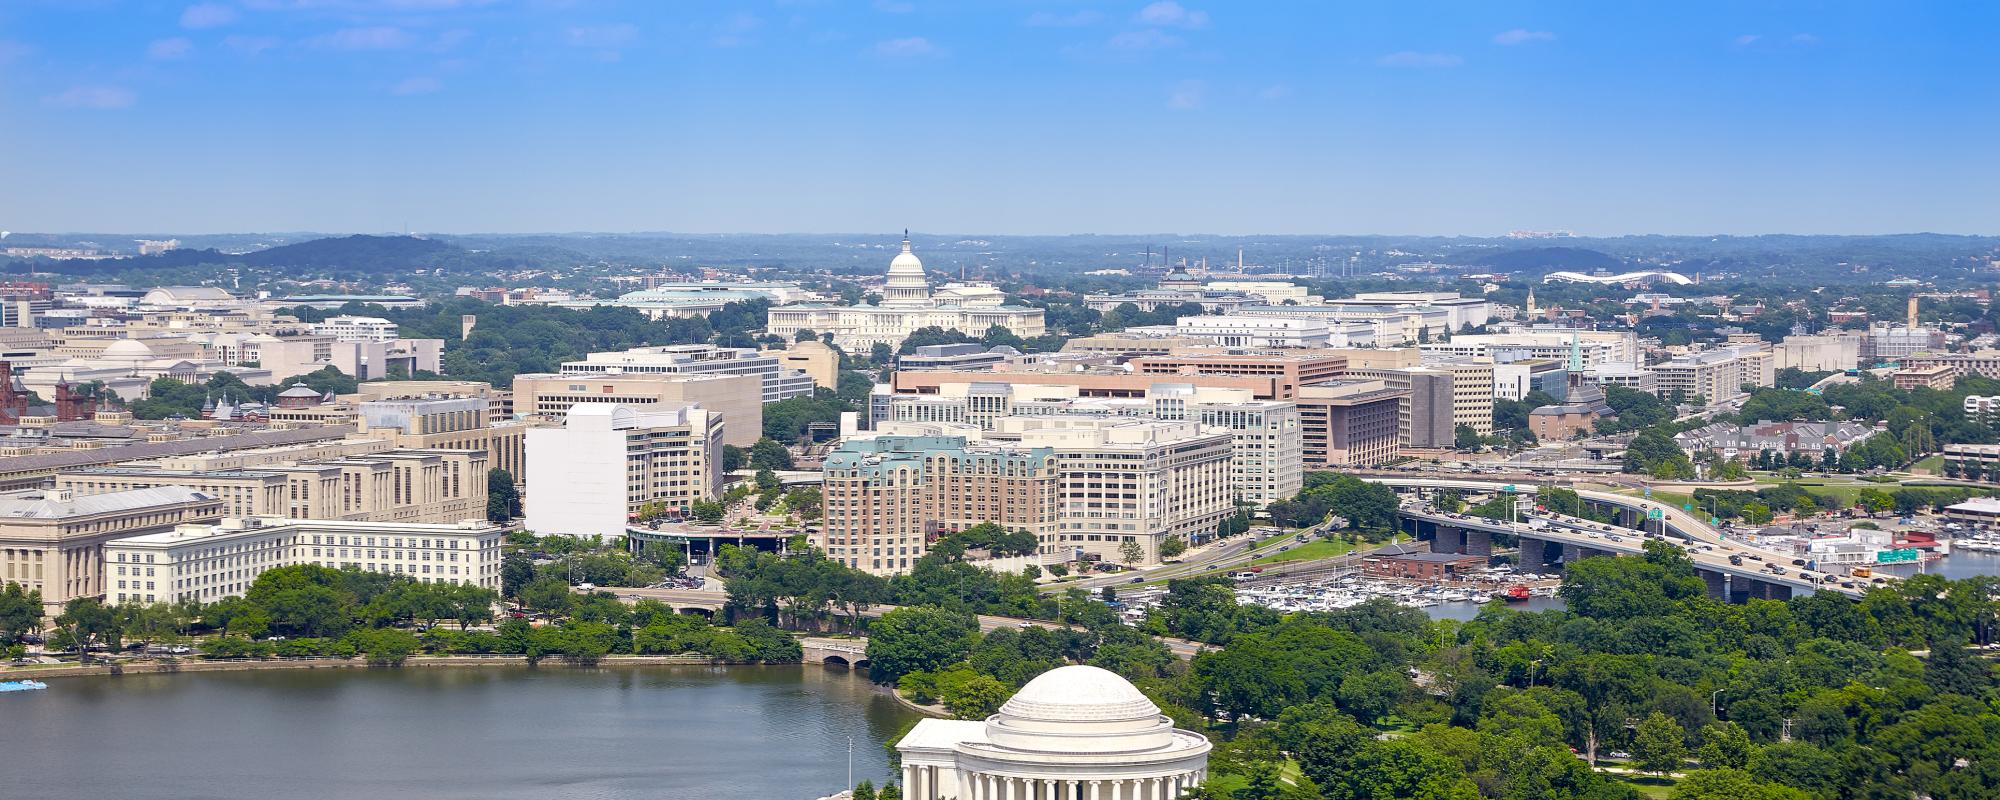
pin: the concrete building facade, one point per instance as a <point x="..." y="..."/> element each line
<point x="608" y="461"/>
<point x="208" y="562"/>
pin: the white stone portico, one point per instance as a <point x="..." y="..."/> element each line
<point x="1073" y="733"/>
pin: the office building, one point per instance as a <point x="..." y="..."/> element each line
<point x="1426" y="412"/>
<point x="888" y="497"/>
<point x="208" y="562"/>
<point x="348" y="328"/>
<point x="1266" y="377"/>
<point x="698" y="359"/>
<point x="1885" y="343"/>
<point x="815" y="359"/>
<point x="1717" y="375"/>
<point x="1593" y="347"/>
<point x="1984" y="363"/>
<point x="1471" y="391"/>
<point x="1349" y="423"/>
<point x="1244" y="331"/>
<point x="737" y="398"/>
<point x="1930" y="376"/>
<point x="1825" y="353"/>
<point x="1513" y="381"/>
<point x="608" y="461"/>
<point x="53" y="540"/>
<point x="1265" y="461"/>
<point x="1463" y="312"/>
<point x="962" y="356"/>
<point x="428" y="486"/>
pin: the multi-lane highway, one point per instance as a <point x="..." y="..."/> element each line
<point x="1705" y="545"/>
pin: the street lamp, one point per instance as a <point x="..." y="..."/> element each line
<point x="1715" y="702"/>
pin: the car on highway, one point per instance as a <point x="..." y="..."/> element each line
<point x="1137" y="579"/>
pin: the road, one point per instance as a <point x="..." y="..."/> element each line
<point x="1690" y="526"/>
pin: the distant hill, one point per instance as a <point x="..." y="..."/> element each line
<point x="358" y="252"/>
<point x="1549" y="259"/>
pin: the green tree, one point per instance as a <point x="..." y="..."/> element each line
<point x="1172" y="546"/>
<point x="503" y="501"/>
<point x="1130" y="553"/>
<point x="914" y="638"/>
<point x="20" y="612"/>
<point x="768" y="454"/>
<point x="85" y="622"/>
<point x="1730" y="784"/>
<point x="1464" y="437"/>
<point x="386" y="647"/>
<point x="550" y="594"/>
<point x="1724" y="744"/>
<point x="734" y="458"/>
<point x="1659" y="744"/>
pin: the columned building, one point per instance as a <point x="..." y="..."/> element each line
<point x="907" y="305"/>
<point x="1073" y="733"/>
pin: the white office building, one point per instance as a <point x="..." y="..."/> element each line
<point x="780" y="383"/>
<point x="608" y="461"/>
<point x="1266" y="436"/>
<point x="346" y="328"/>
<point x="211" y="562"/>
<point x="1245" y="331"/>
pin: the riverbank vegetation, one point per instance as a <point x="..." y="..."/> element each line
<point x="1816" y="698"/>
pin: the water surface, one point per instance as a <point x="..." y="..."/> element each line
<point x="490" y="733"/>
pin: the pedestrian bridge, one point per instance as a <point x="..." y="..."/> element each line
<point x="850" y="653"/>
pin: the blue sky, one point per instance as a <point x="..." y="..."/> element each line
<point x="998" y="117"/>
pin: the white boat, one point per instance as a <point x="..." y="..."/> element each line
<point x="22" y="686"/>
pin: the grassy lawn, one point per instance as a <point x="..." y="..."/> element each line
<point x="1648" y="786"/>
<point x="1933" y="465"/>
<point x="1317" y="548"/>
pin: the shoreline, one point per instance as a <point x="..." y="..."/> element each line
<point x="247" y="665"/>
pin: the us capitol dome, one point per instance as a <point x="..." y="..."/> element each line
<point x="1073" y="733"/>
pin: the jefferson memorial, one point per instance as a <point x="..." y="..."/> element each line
<point x="907" y="305"/>
<point x="1073" y="733"/>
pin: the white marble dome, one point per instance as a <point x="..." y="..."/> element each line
<point x="906" y="262"/>
<point x="127" y="350"/>
<point x="1080" y="709"/>
<point x="1075" y="732"/>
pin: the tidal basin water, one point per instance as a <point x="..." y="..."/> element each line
<point x="491" y="733"/>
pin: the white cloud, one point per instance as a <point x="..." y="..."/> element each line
<point x="169" y="49"/>
<point x="1147" y="39"/>
<point x="1050" y="19"/>
<point x="1522" y="36"/>
<point x="416" y="85"/>
<point x="381" y="37"/>
<point x="1276" y="91"/>
<point x="12" y="50"/>
<point x="95" y="97"/>
<point x="1413" y="59"/>
<point x="894" y="6"/>
<point x="1187" y="96"/>
<point x="1747" y="39"/>
<point x="251" y="45"/>
<point x="1169" y="14"/>
<point x="910" y="47"/>
<point x="207" y="15"/>
<point x="1804" y="38"/>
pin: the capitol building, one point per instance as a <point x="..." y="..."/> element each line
<point x="1073" y="733"/>
<point x="908" y="305"/>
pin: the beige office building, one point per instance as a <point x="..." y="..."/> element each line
<point x="208" y="562"/>
<point x="738" y="398"/>
<point x="53" y="540"/>
<point x="1716" y="375"/>
<point x="1471" y="391"/>
<point x="449" y="422"/>
<point x="425" y="486"/>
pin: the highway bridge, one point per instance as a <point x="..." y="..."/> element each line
<point x="1754" y="572"/>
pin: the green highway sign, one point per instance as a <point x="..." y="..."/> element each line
<point x="1654" y="513"/>
<point x="1900" y="556"/>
